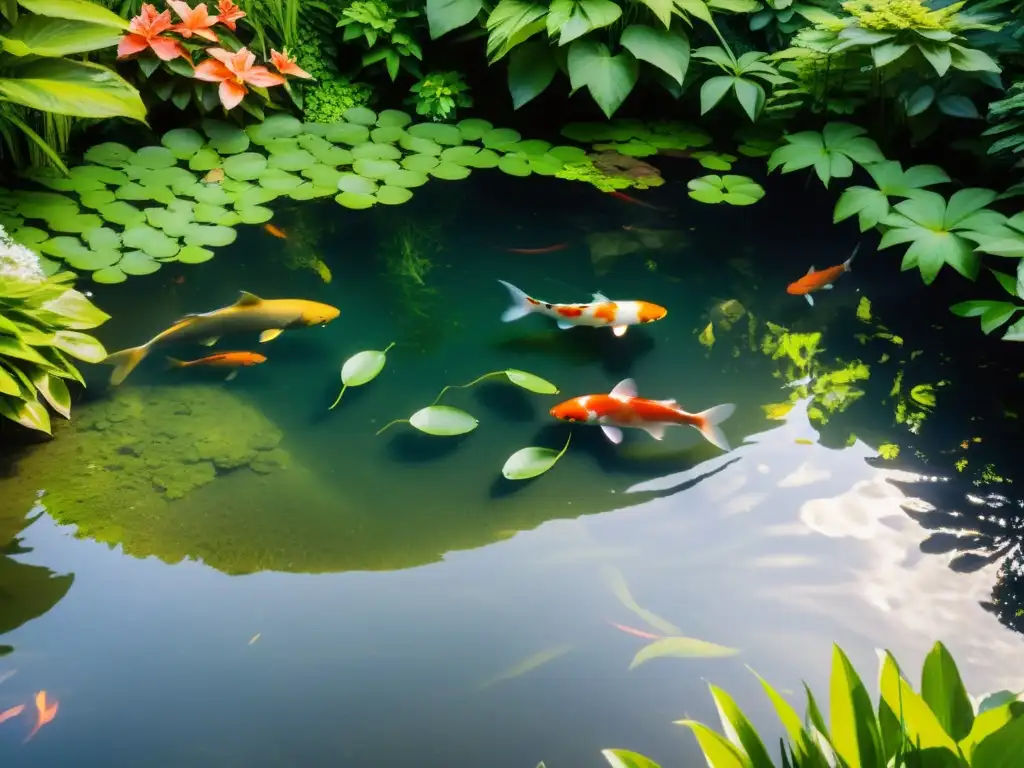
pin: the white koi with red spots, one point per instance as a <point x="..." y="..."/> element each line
<point x="601" y="312"/>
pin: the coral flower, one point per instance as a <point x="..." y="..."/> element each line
<point x="286" y="65"/>
<point x="228" y="13"/>
<point x="194" y="21"/>
<point x="233" y="71"/>
<point x="144" y="32"/>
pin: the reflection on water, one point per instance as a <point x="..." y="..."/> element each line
<point x="412" y="606"/>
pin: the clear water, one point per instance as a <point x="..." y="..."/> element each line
<point x="413" y="608"/>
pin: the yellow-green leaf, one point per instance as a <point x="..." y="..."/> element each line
<point x="922" y="727"/>
<point x="854" y="734"/>
<point x="623" y="758"/>
<point x="80" y="345"/>
<point x="717" y="749"/>
<point x="739" y="730"/>
<point x="944" y="692"/>
<point x="28" y="413"/>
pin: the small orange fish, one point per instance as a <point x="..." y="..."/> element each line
<point x="820" y="281"/>
<point x="222" y="360"/>
<point x="548" y="249"/>
<point x="13" y="712"/>
<point x="275" y="231"/>
<point x="636" y="632"/>
<point x="44" y="713"/>
<point x="626" y="198"/>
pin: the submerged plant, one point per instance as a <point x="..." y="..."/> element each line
<point x="361" y="368"/>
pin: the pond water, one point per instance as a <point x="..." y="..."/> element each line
<point x="221" y="573"/>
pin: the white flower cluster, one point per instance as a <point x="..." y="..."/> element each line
<point x="18" y="262"/>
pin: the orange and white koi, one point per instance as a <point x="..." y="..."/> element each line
<point x="822" y="280"/>
<point x="622" y="408"/>
<point x="602" y="312"/>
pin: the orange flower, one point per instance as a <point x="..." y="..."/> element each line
<point x="194" y="21"/>
<point x="228" y="13"/>
<point x="286" y="65"/>
<point x="144" y="32"/>
<point x="233" y="71"/>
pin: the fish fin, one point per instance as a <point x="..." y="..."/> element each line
<point x="600" y="297"/>
<point x="625" y="388"/>
<point x="521" y="305"/>
<point x="709" y="420"/>
<point x="210" y="341"/>
<point x="809" y="298"/>
<point x="124" y="362"/>
<point x="612" y="433"/>
<point x="174" y="362"/>
<point x="811" y="270"/>
<point x="231" y="376"/>
<point x="828" y="287"/>
<point x="669" y="403"/>
<point x="848" y="264"/>
<point x="657" y="431"/>
<point x="565" y="324"/>
<point x="247" y="299"/>
<point x="270" y="334"/>
<point x="620" y="330"/>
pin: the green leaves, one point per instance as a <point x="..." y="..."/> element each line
<point x="854" y="732"/>
<point x="443" y="420"/>
<point x="731" y="189"/>
<point x="872" y="205"/>
<point x="740" y="79"/>
<point x="531" y="68"/>
<point x="445" y="15"/>
<point x="608" y="78"/>
<point x="42" y="36"/>
<point x="623" y="758"/>
<point x="530" y="462"/>
<point x="512" y="22"/>
<point x="67" y="87"/>
<point x="831" y="152"/>
<point x="361" y="368"/>
<point x="945" y="694"/>
<point x="993" y="314"/>
<point x="662" y="48"/>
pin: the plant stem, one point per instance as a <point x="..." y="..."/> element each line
<point x="388" y="348"/>
<point x="343" y="388"/>
<point x="466" y="386"/>
<point x="564" y="448"/>
<point x="391" y="424"/>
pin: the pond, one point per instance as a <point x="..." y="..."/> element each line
<point x="218" y="573"/>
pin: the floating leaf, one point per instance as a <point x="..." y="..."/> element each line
<point x="74" y="223"/>
<point x="154" y="157"/>
<point x="358" y="185"/>
<point x="474" y="128"/>
<point x="279" y="126"/>
<point x="440" y="133"/>
<point x="193" y="254"/>
<point x="680" y="647"/>
<point x="569" y="154"/>
<point x="90" y="261"/>
<point x="544" y="165"/>
<point x="138" y="263"/>
<point x="151" y="241"/>
<point x="205" y="159"/>
<point x="419" y="145"/>
<point x="173" y="221"/>
<point x="323" y="175"/>
<point x="183" y="142"/>
<point x="97" y="199"/>
<point x="109" y="276"/>
<point x="168" y="176"/>
<point x="420" y="163"/>
<point x="443" y="421"/>
<point x="734" y="190"/>
<point x="531" y="382"/>
<point x="278" y="180"/>
<point x="393" y="195"/>
<point x="98" y="173"/>
<point x="531" y="462"/>
<point x="205" y="213"/>
<point x="255" y="214"/>
<point x="203" y="234"/>
<point x="63" y="247"/>
<point x="347" y="133"/>
<point x="360" y="116"/>
<point x="110" y="154"/>
<point x="449" y="172"/>
<point x="125" y="214"/>
<point x="361" y="368"/>
<point x="102" y="238"/>
<point x="245" y="166"/>
<point x="485" y="158"/>
<point x="296" y="160"/>
<point x="515" y="165"/>
<point x="386" y="135"/>
<point x="355" y="200"/>
<point x="461" y="155"/>
<point x="403" y="178"/>
<point x="391" y="118"/>
<point x="375" y="169"/>
<point x="324" y="151"/>
<point x="371" y="151"/>
<point x="225" y="138"/>
<point x="253" y="195"/>
<point x="281" y="146"/>
<point x="29" y="236"/>
<point x="501" y="138"/>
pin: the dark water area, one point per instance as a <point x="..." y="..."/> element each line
<point x="347" y="599"/>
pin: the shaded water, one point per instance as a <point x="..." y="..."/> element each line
<point x="413" y="608"/>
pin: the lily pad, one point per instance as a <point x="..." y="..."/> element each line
<point x="374" y="169"/>
<point x="183" y="142"/>
<point x="102" y="239"/>
<point x="459" y="155"/>
<point x="189" y="187"/>
<point x="371" y="151"/>
<point x="443" y="421"/>
<point x="206" y="159"/>
<point x="206" y="234"/>
<point x="278" y="180"/>
<point x="473" y="128"/>
<point x="449" y="172"/>
<point x="324" y="151"/>
<point x="569" y="154"/>
<point x="531" y="382"/>
<point x="165" y="177"/>
<point x="254" y="195"/>
<point x="100" y="173"/>
<point x="386" y="135"/>
<point x="440" y="133"/>
<point x="360" y="116"/>
<point x="173" y="221"/>
<point x="314" y="129"/>
<point x="110" y="154"/>
<point x="530" y="462"/>
<point x="212" y="194"/>
<point x="323" y="175"/>
<point x="63" y="247"/>
<point x="347" y="133"/>
<point x="138" y="263"/>
<point x="405" y="178"/>
<point x="485" y="158"/>
<point x="29" y="236"/>
<point x="255" y="214"/>
<point x="355" y="201"/>
<point x="358" y="185"/>
<point x="308" y="191"/>
<point x="734" y="190"/>
<point x="501" y="138"/>
<point x="419" y="145"/>
<point x="361" y="368"/>
<point x="193" y="254"/>
<point x="391" y="118"/>
<point x="154" y="157"/>
<point x="90" y="261"/>
<point x="133" y="191"/>
<point x="420" y="163"/>
<point x="296" y="160"/>
<point x="225" y="138"/>
<point x="152" y="241"/>
<point x="74" y="223"/>
<point x="245" y="166"/>
<point x="108" y="276"/>
<point x="281" y="146"/>
<point x="393" y="195"/>
<point x="125" y="214"/>
<point x="205" y="213"/>
<point x="279" y="126"/>
<point x="515" y="165"/>
<point x="530" y="147"/>
<point x="544" y="165"/>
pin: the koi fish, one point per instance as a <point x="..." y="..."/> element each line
<point x="233" y="360"/>
<point x="636" y="632"/>
<point x="821" y="280"/>
<point x="623" y="196"/>
<point x="275" y="231"/>
<point x="622" y="408"/>
<point x="44" y="713"/>
<point x="11" y="713"/>
<point x="619" y="315"/>
<point x="249" y="313"/>
<point x="533" y="251"/>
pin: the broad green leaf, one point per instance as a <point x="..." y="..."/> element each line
<point x="610" y="79"/>
<point x="790" y="720"/>
<point x="69" y="87"/>
<point x="42" y="36"/>
<point x="965" y="202"/>
<point x="956" y="105"/>
<point x="531" y="462"/>
<point x="920" y="100"/>
<point x="54" y="390"/>
<point x="445" y="15"/>
<point x="75" y="311"/>
<point x="888" y="52"/>
<point x="623" y="758"/>
<point x="665" y="49"/>
<point x="531" y="68"/>
<point x="28" y="413"/>
<point x="890" y="730"/>
<point x="1015" y="332"/>
<point x="443" y="420"/>
<point x="925" y="208"/>
<point x="716" y="748"/>
<point x="870" y="206"/>
<point x="938" y="55"/>
<point x="751" y="97"/>
<point x="713" y="90"/>
<point x="531" y="382"/>
<point x="571" y="19"/>
<point x="942" y="688"/>
<point x="662" y="9"/>
<point x="80" y="345"/>
<point x="11" y="347"/>
<point x="1003" y="748"/>
<point x="8" y="384"/>
<point x="79" y="10"/>
<point x="972" y="59"/>
<point x="922" y="727"/>
<point x="990" y="721"/>
<point x="680" y="647"/>
<point x="739" y="730"/>
<point x="510" y="23"/>
<point x="853" y="731"/>
<point x="362" y="368"/>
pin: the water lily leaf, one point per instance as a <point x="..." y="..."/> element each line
<point x="132" y="191"/>
<point x="357" y="185"/>
<point x="459" y="155"/>
<point x="206" y="234"/>
<point x="734" y="190"/>
<point x="97" y="199"/>
<point x="253" y="195"/>
<point x="355" y="200"/>
<point x="58" y="183"/>
<point x="393" y="195"/>
<point x="108" y="276"/>
<point x="90" y="261"/>
<point x="165" y="177"/>
<point x="279" y="126"/>
<point x="443" y="421"/>
<point x="308" y="191"/>
<point x="190" y="187"/>
<point x="74" y="223"/>
<point x="323" y="175"/>
<point x="245" y="166"/>
<point x="154" y="157"/>
<point x="531" y="382"/>
<point x="102" y="238"/>
<point x="205" y="213"/>
<point x="29" y="236"/>
<point x="110" y="154"/>
<point x="347" y="133"/>
<point x="391" y="118"/>
<point x="100" y="173"/>
<point x="125" y="214"/>
<point x="501" y="138"/>
<point x="485" y="158"/>
<point x="225" y="138"/>
<point x="419" y="145"/>
<point x="360" y="116"/>
<point x="386" y="135"/>
<point x="230" y="219"/>
<point x="138" y="263"/>
<point x="278" y="180"/>
<point x="281" y="146"/>
<point x="544" y="165"/>
<point x="371" y="151"/>
<point x="440" y="133"/>
<point x="193" y="254"/>
<point x="324" y="151"/>
<point x="296" y="160"/>
<point x="173" y="221"/>
<point x="152" y="241"/>
<point x="531" y="462"/>
<point x="362" y="368"/>
<point x="375" y="169"/>
<point x="183" y="142"/>
<point x="449" y="171"/>
<point x="473" y="128"/>
<point x="211" y="194"/>
<point x="515" y="165"/>
<point x="63" y="247"/>
<point x="420" y="163"/>
<point x="680" y="647"/>
<point x="403" y="178"/>
<point x="530" y="147"/>
<point x="255" y="214"/>
<point x="206" y="159"/>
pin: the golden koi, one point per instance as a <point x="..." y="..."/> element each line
<point x="602" y="312"/>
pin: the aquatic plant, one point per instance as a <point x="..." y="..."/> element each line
<point x="831" y="152"/>
<point x="872" y="205"/>
<point x="42" y="320"/>
<point x="734" y="190"/>
<point x="361" y="368"/>
<point x="439" y="94"/>
<point x="527" y="381"/>
<point x="440" y="420"/>
<point x="527" y="463"/>
<point x="739" y="77"/>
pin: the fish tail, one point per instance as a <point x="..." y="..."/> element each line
<point x="847" y="264"/>
<point x="173" y="362"/>
<point x="708" y="421"/>
<point x="125" y="362"/>
<point x="521" y="304"/>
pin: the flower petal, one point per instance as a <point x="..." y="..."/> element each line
<point x="182" y="9"/>
<point x="207" y="34"/>
<point x="212" y="71"/>
<point x="231" y="93"/>
<point x="220" y="54"/>
<point x="166" y="48"/>
<point x="261" y="76"/>
<point x="131" y="44"/>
